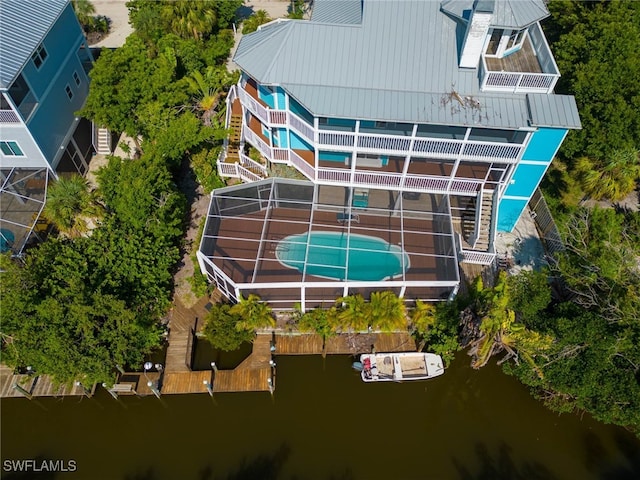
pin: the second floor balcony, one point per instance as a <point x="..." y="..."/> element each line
<point x="531" y="69"/>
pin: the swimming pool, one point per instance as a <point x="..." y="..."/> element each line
<point x="369" y="259"/>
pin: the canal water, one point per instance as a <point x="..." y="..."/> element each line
<point x="323" y="423"/>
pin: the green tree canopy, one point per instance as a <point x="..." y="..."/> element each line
<point x="597" y="53"/>
<point x="221" y="330"/>
<point x="70" y="205"/>
<point x="252" y="23"/>
<point x="124" y="82"/>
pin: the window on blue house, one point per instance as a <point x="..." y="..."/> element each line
<point x="69" y="92"/>
<point x="11" y="149"/>
<point x="39" y="56"/>
<point x="76" y="78"/>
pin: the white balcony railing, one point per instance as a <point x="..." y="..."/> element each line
<point x="337" y="139"/>
<point x="300" y="163"/>
<point x="525" y="82"/>
<point x="338" y="175"/>
<point x="488" y="150"/>
<point x="252" y="165"/>
<point x="438" y="148"/>
<point x="301" y="126"/>
<point x="384" y="142"/>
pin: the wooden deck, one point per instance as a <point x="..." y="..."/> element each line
<point x="252" y="374"/>
<point x="524" y="60"/>
<point x="344" y="344"/>
<point x="36" y="386"/>
<point x="304" y="344"/>
<point x="183" y="323"/>
<point x="186" y="382"/>
<point x="135" y="383"/>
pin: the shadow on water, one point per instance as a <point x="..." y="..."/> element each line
<point x="624" y="466"/>
<point x="502" y="466"/>
<point x="262" y="467"/>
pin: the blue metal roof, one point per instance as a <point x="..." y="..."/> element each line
<point x="337" y="11"/>
<point x="23" y="25"/>
<point x="399" y="64"/>
<point x="515" y="14"/>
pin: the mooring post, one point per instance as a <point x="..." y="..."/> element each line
<point x="209" y="387"/>
<point x="23" y="391"/>
<point x="85" y="392"/>
<point x="111" y="392"/>
<point x="153" y="388"/>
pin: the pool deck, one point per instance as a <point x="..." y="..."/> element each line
<point x="245" y="247"/>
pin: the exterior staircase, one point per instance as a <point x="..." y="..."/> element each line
<point x="233" y="147"/>
<point x="484" y="228"/>
<point x="102" y="141"/>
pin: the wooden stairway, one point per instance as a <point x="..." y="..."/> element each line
<point x="233" y="148"/>
<point x="482" y="242"/>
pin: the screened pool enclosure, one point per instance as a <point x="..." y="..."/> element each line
<point x="291" y="242"/>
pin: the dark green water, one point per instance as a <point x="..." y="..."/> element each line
<point x="324" y="423"/>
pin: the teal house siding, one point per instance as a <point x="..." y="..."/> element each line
<point x="280" y="139"/>
<point x="59" y="42"/>
<point x="266" y="96"/>
<point x="341" y="157"/>
<point x="525" y="180"/>
<point x="298" y="143"/>
<point x="280" y="99"/>
<point x="544" y="144"/>
<point x="299" y="110"/>
<point x="509" y="213"/>
<point x="56" y="112"/>
<point x="542" y="147"/>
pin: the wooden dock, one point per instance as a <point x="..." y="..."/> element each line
<point x="253" y="374"/>
<point x="186" y="382"/>
<point x="183" y="323"/>
<point x="301" y="344"/>
<point x="344" y="344"/>
<point x="33" y="385"/>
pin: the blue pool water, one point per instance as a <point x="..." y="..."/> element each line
<point x="369" y="259"/>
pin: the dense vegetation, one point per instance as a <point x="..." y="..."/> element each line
<point x="595" y="45"/>
<point x="93" y="297"/>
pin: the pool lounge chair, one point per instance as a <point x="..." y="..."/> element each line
<point x="343" y="217"/>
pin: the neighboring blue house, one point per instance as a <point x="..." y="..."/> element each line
<point x="44" y="60"/>
<point x="415" y="108"/>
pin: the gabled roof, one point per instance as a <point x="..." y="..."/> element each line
<point x="23" y="25"/>
<point x="337" y="11"/>
<point x="515" y="14"/>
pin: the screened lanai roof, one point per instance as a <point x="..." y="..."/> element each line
<point x="281" y="232"/>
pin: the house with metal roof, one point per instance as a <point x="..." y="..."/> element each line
<point x="424" y="124"/>
<point x="44" y="60"/>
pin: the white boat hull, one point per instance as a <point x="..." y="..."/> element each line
<point x="400" y="367"/>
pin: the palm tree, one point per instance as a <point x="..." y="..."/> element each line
<point x="423" y="318"/>
<point x="353" y="314"/>
<point x="70" y="204"/>
<point x="191" y="19"/>
<point x="254" y="313"/>
<point x="207" y="89"/>
<point x="612" y="179"/>
<point x="499" y="331"/>
<point x="320" y="321"/>
<point x="84" y="11"/>
<point x="252" y="23"/>
<point x="388" y="311"/>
